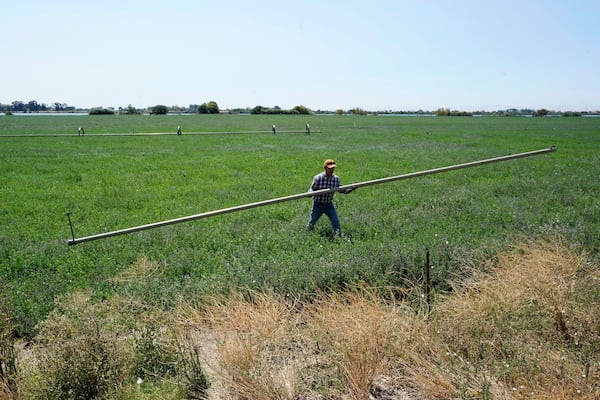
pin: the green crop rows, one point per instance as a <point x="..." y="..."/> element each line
<point x="114" y="182"/>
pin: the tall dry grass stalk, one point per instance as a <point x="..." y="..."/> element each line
<point x="254" y="332"/>
<point x="357" y="328"/>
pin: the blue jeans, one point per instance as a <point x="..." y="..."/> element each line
<point x="319" y="209"/>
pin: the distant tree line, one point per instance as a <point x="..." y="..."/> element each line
<point x="543" y="112"/>
<point x="446" y="112"/>
<point x="212" y="107"/>
<point x="278" y="110"/>
<point x="101" y="111"/>
<point x="511" y="112"/>
<point x="33" y="106"/>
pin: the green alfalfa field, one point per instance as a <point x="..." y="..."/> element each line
<point x="108" y="182"/>
<point x="114" y="182"/>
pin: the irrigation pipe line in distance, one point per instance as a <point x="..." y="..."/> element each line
<point x="343" y="188"/>
<point x="140" y="134"/>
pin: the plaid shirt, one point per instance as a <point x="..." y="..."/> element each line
<point x="322" y="181"/>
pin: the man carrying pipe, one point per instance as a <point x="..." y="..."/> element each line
<point x="312" y="193"/>
<point x="323" y="203"/>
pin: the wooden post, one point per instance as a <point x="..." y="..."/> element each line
<point x="427" y="282"/>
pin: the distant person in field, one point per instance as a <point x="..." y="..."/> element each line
<point x="274" y="130"/>
<point x="323" y="203"/>
<point x="80" y="131"/>
<point x="307" y="131"/>
<point x="178" y="130"/>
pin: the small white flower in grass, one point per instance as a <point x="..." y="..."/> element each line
<point x="139" y="381"/>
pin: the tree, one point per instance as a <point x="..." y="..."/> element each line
<point x="540" y="113"/>
<point x="212" y="107"/>
<point x="130" y="110"/>
<point x="101" y="111"/>
<point x="159" y="109"/>
<point x="59" y="106"/>
<point x="258" y="110"/>
<point x="18" y="106"/>
<point x="301" y="110"/>
<point x="208" y="108"/>
<point x="33" y="106"/>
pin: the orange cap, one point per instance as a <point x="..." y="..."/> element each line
<point x="329" y="163"/>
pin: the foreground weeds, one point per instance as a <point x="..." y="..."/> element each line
<point x="357" y="329"/>
<point x="90" y="349"/>
<point x="527" y="327"/>
<point x="8" y="367"/>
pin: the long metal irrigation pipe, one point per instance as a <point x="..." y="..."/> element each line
<point x="343" y="188"/>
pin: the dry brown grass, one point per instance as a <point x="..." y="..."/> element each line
<point x="527" y="328"/>
<point x="142" y="269"/>
<point x="358" y="329"/>
<point x="253" y="334"/>
<point x="271" y="348"/>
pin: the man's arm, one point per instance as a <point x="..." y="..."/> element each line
<point x="317" y="183"/>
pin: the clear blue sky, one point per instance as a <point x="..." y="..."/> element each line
<point x="377" y="55"/>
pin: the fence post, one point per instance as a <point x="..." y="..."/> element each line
<point x="427" y="282"/>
